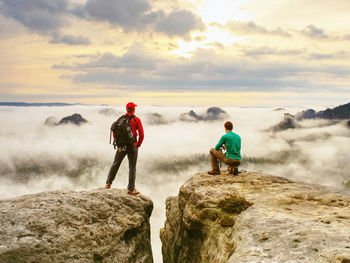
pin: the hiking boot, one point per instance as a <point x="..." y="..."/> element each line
<point x="133" y="192"/>
<point x="108" y="186"/>
<point x="213" y="172"/>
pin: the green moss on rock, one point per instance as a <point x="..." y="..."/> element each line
<point x="234" y="204"/>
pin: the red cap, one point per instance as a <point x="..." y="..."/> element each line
<point x="130" y="105"/>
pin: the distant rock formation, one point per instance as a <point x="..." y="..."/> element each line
<point x="212" y="114"/>
<point x="307" y="114"/>
<point x="75" y="119"/>
<point x="155" y="119"/>
<point x="340" y="112"/>
<point x="66" y="226"/>
<point x="279" y="109"/>
<point x="190" y="116"/>
<point x="255" y="218"/>
<point x="288" y="122"/>
<point x="215" y="114"/>
<point x="109" y="112"/>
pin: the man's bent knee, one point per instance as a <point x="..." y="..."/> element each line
<point x="213" y="151"/>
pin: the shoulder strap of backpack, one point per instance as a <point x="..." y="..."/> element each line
<point x="134" y="117"/>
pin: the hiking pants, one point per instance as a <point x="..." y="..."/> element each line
<point x="216" y="155"/>
<point x="131" y="151"/>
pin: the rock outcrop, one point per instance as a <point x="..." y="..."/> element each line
<point x="340" y="112"/>
<point x="212" y="114"/>
<point x="75" y="119"/>
<point x="66" y="226"/>
<point x="288" y="122"/>
<point x="255" y="218"/>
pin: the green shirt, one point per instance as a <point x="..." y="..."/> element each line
<point x="232" y="143"/>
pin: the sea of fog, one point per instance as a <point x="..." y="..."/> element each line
<point x="35" y="157"/>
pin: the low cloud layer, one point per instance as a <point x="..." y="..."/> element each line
<point x="69" y="157"/>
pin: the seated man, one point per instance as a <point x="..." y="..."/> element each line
<point x="232" y="142"/>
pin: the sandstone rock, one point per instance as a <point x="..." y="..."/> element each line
<point x="215" y="114"/>
<point x="306" y="114"/>
<point x="212" y="114"/>
<point x="75" y="119"/>
<point x="255" y="218"/>
<point x="340" y="112"/>
<point x="288" y="122"/>
<point x="66" y="226"/>
<point x="190" y="116"/>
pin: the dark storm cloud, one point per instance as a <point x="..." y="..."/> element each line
<point x="38" y="15"/>
<point x="312" y="31"/>
<point x="69" y="40"/>
<point x="250" y="27"/>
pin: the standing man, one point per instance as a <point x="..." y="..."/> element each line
<point x="131" y="150"/>
<point x="232" y="142"/>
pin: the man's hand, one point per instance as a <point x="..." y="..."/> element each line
<point x="114" y="144"/>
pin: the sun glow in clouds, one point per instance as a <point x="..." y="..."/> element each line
<point x="218" y="11"/>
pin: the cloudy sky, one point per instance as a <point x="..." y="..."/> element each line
<point x="171" y="52"/>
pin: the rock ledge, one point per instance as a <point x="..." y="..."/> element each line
<point x="255" y="218"/>
<point x="67" y="226"/>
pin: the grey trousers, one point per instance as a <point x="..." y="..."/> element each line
<point x="131" y="151"/>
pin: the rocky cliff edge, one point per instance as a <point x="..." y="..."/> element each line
<point x="66" y="226"/>
<point x="255" y="218"/>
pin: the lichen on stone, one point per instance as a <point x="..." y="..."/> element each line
<point x="234" y="204"/>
